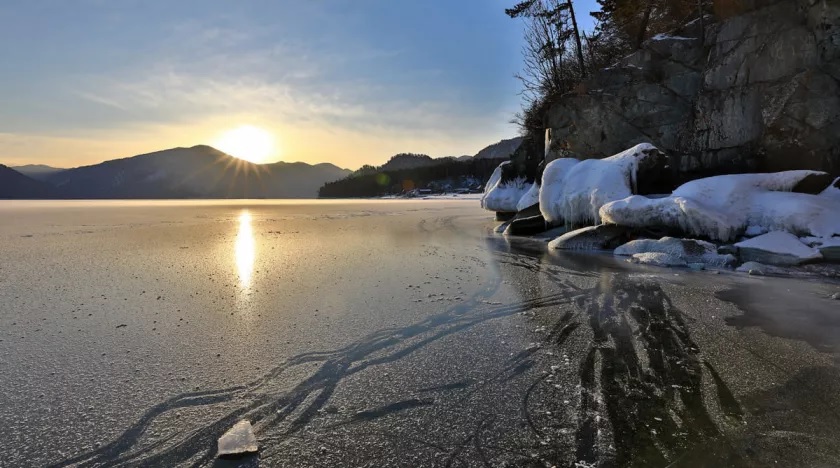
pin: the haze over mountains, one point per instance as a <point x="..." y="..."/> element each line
<point x="197" y="172"/>
<point x="38" y="171"/>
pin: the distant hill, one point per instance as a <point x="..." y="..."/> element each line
<point x="13" y="184"/>
<point x="197" y="172"/>
<point x="37" y="171"/>
<point x="500" y="150"/>
<point x="408" y="161"/>
<point x="407" y="171"/>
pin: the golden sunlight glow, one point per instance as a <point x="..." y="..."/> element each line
<point x="245" y="252"/>
<point x="247" y="142"/>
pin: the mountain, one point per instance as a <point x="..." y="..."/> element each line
<point x="500" y="150"/>
<point x="37" y="171"/>
<point x="13" y="184"/>
<point x="197" y="172"/>
<point x="408" y="161"/>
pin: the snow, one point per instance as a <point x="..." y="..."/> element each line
<point x="658" y="259"/>
<point x="724" y="207"/>
<point x="833" y="190"/>
<point x="783" y="243"/>
<point x="503" y="196"/>
<point x="551" y="189"/>
<point x="753" y="231"/>
<point x="238" y="440"/>
<point x="531" y="198"/>
<point x="687" y="250"/>
<point x="576" y="191"/>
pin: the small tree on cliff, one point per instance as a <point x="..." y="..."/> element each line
<point x="630" y="22"/>
<point x="553" y="56"/>
<point x="555" y="23"/>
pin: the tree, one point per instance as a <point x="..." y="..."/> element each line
<point x="632" y="22"/>
<point x="560" y="14"/>
<point x="553" y="54"/>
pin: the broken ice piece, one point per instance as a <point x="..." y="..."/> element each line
<point x="238" y="440"/>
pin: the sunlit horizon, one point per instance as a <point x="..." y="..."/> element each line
<point x="249" y="143"/>
<point x="347" y="83"/>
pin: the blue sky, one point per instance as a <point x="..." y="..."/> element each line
<point x="344" y="81"/>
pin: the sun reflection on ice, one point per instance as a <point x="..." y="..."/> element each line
<point x="245" y="250"/>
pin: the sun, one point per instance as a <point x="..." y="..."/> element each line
<point x="247" y="142"/>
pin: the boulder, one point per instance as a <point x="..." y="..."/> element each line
<point x="687" y="250"/>
<point x="601" y="237"/>
<point x="527" y="222"/>
<point x="831" y="253"/>
<point x="658" y="259"/>
<point x="777" y="248"/>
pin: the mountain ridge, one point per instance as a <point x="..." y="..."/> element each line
<point x="199" y="171"/>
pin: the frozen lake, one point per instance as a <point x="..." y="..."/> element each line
<point x="391" y="332"/>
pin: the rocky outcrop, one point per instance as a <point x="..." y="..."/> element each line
<point x="758" y="89"/>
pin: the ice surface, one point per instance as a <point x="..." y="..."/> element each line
<point x="238" y="440"/>
<point x="724" y="207"/>
<point x="783" y="243"/>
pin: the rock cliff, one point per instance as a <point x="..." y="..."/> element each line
<point x="756" y="88"/>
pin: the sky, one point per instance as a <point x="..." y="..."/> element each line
<point x="350" y="82"/>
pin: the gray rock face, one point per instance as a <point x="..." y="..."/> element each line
<point x="527" y="222"/>
<point x="830" y="253"/>
<point x="762" y="93"/>
<point x="601" y="237"/>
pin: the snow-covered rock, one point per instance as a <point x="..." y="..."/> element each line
<point x="238" y="440"/>
<point x="602" y="237"/>
<point x="503" y="195"/>
<point x="724" y="207"/>
<point x="687" y="250"/>
<point x="551" y="188"/>
<point x="658" y="259"/>
<point x="833" y="190"/>
<point x="530" y="198"/>
<point x="777" y="248"/>
<point x="590" y="184"/>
